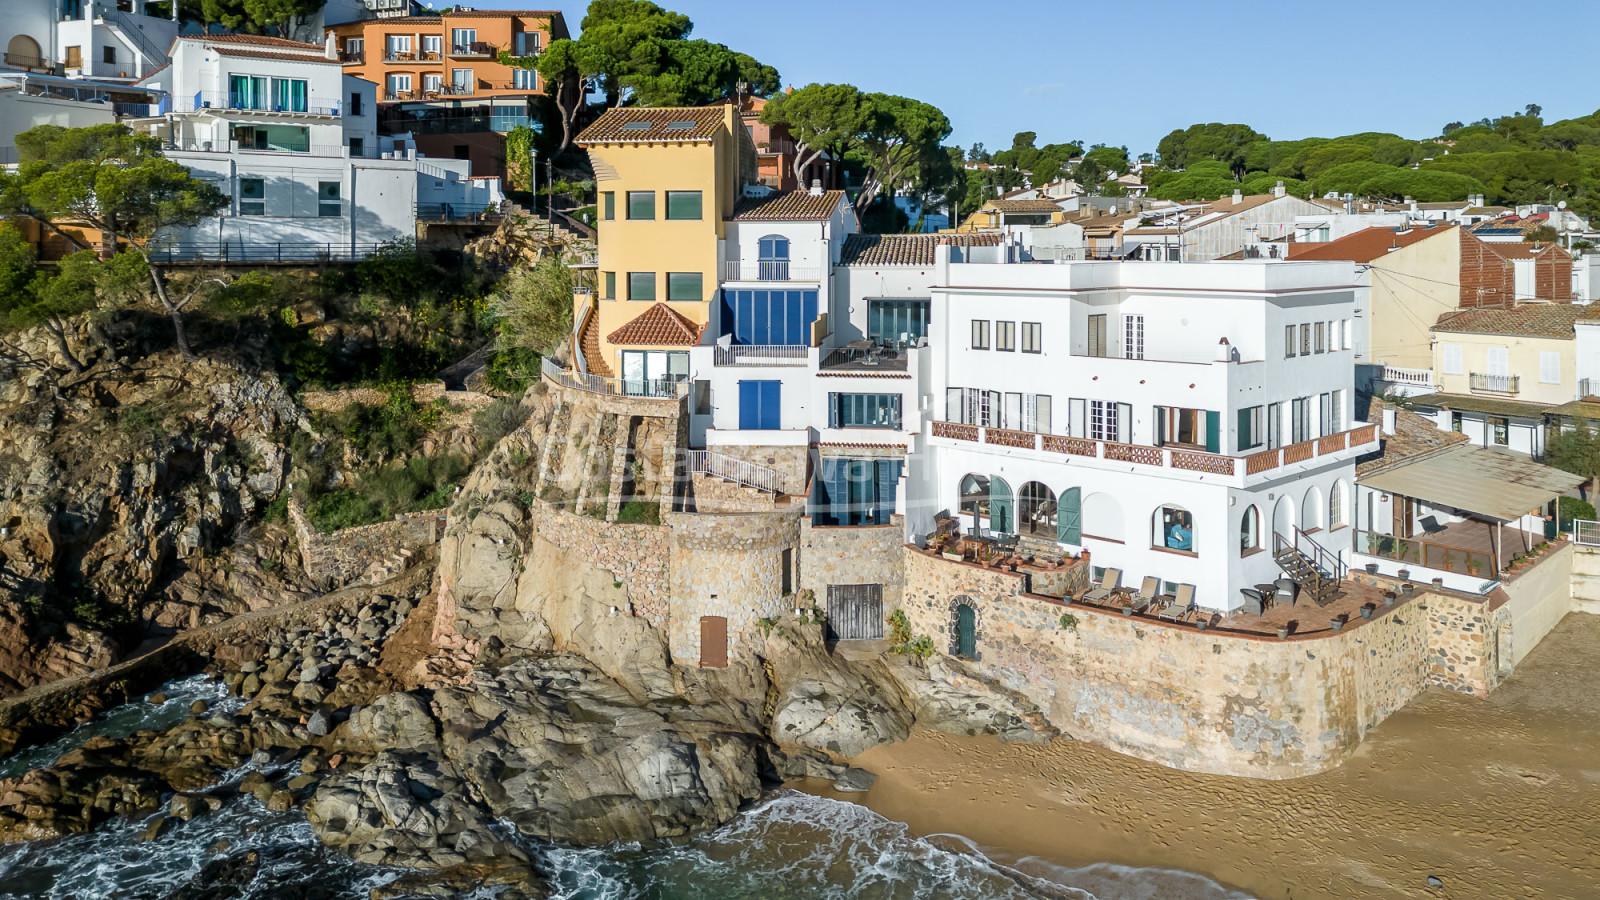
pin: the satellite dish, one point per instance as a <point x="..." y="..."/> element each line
<point x="1561" y="205"/>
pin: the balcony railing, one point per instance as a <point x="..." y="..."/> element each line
<point x="1428" y="554"/>
<point x="473" y="50"/>
<point x="1495" y="384"/>
<point x="770" y="270"/>
<point x="762" y="355"/>
<point x="390" y="55"/>
<point x="1167" y="457"/>
<point x="738" y="471"/>
<point x="648" y="389"/>
<point x="1417" y="377"/>
<point x="352" y="56"/>
<point x="24" y="61"/>
<point x="1587" y="386"/>
<point x="227" y="100"/>
<point x="256" y="252"/>
<point x="305" y="150"/>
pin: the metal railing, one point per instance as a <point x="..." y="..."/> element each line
<point x="392" y="55"/>
<point x="308" y="150"/>
<point x="1586" y="387"/>
<point x="1586" y="532"/>
<point x="123" y="23"/>
<point x="1428" y="554"/>
<point x="738" y="471"/>
<point x="646" y="388"/>
<point x="456" y="212"/>
<point x="352" y="56"/>
<point x="23" y="61"/>
<point x="1397" y="375"/>
<point x="473" y="50"/>
<point x="762" y="355"/>
<point x="260" y="251"/>
<point x="769" y="270"/>
<point x="227" y="100"/>
<point x="1328" y="562"/>
<point x="1495" y="384"/>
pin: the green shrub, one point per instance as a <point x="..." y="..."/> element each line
<point x="635" y="512"/>
<point x="418" y="484"/>
<point x="495" y="421"/>
<point x="1569" y="508"/>
<point x="511" y="370"/>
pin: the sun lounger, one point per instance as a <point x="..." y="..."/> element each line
<point x="1180" y="605"/>
<point x="1109" y="582"/>
<point x="1148" y="592"/>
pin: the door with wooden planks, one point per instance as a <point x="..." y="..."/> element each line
<point x="713" y="642"/>
<point x="855" y="612"/>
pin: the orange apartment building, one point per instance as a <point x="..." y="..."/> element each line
<point x="440" y="78"/>
<point x="776" y="152"/>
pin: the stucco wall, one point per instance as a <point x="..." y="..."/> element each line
<point x="1538" y="599"/>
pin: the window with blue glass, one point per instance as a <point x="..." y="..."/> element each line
<point x="758" y="405"/>
<point x="897" y="321"/>
<point x="773" y="262"/>
<point x="769" y="317"/>
<point x="864" y="411"/>
<point x="855" y="491"/>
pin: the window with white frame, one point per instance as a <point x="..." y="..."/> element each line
<point x="1103" y="420"/>
<point x="1336" y="507"/>
<point x="1305" y="339"/>
<point x="252" y="196"/>
<point x="399" y="85"/>
<point x="1549" y="367"/>
<point x="1450" y="358"/>
<point x="1320" y="345"/>
<point x="1013" y="417"/>
<point x="433" y="82"/>
<point x="1036" y="413"/>
<point x="1133" y="337"/>
<point x="524" y="79"/>
<point x="328" y="205"/>
<point x="432" y="45"/>
<point x="1300" y="420"/>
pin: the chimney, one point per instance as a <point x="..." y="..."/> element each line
<point x="1388" y="419"/>
<point x="816" y="187"/>
<point x="1238" y="196"/>
<point x="1224" y="351"/>
<point x="1411" y="203"/>
<point x="1349" y="204"/>
<point x="330" y="46"/>
<point x="1278" y="190"/>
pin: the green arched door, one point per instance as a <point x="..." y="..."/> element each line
<point x="1069" y="517"/>
<point x="966" y="632"/>
<point x="1000" y="507"/>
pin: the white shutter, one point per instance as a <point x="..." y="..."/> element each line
<point x="1498" y="361"/>
<point x="1124" y="423"/>
<point x="1452" y="358"/>
<point x="1549" y="367"/>
<point x="1077" y="419"/>
<point x="952" y="405"/>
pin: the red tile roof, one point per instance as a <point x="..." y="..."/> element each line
<point x="907" y="249"/>
<point x="651" y="125"/>
<point x="287" y="57"/>
<point x="1023" y="206"/>
<point x="257" y="39"/>
<point x="1552" y="320"/>
<point x="1365" y="245"/>
<point x="660" y="325"/>
<point x="787" y="206"/>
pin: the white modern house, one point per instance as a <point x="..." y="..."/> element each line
<point x="293" y="141"/>
<point x="103" y="40"/>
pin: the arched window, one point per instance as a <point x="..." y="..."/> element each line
<point x="1283" y="517"/>
<point x="774" y="258"/>
<point x="1311" y="510"/>
<point x="1250" y="531"/>
<point x="1036" y="510"/>
<point x="1174" y="528"/>
<point x="975" y="495"/>
<point x="1338" y="503"/>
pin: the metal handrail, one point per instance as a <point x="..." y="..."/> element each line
<point x="647" y="389"/>
<point x="762" y="355"/>
<point x="769" y="270"/>
<point x="1586" y="532"/>
<point x="259" y="251"/>
<point x="741" y="472"/>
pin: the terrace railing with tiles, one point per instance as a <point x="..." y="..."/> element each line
<point x="1495" y="384"/>
<point x="1161" y="457"/>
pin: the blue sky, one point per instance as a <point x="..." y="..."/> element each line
<point x="1128" y="73"/>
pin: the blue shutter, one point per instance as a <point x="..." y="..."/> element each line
<point x="744" y="330"/>
<point x="749" y="404"/>
<point x="1069" y="517"/>
<point x="761" y="324"/>
<point x="888" y="488"/>
<point x="769" y="404"/>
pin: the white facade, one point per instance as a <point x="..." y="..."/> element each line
<point x="28" y="100"/>
<point x="293" y="141"/>
<point x="104" y="40"/>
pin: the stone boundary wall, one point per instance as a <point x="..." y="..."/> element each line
<point x="337" y="559"/>
<point x="615" y="404"/>
<point x="42" y="712"/>
<point x="635" y="555"/>
<point x="853" y="555"/>
<point x="422" y="393"/>
<point x="710" y="494"/>
<point x="1230" y="704"/>
<point x="791" y="463"/>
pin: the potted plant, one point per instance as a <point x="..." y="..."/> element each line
<point x="1405" y="574"/>
<point x="1372" y="568"/>
<point x="1202" y="624"/>
<point x="1283" y="632"/>
<point x="1474" y="566"/>
<point x="1388" y="598"/>
<point x="1366" y="611"/>
<point x="1336" y="623"/>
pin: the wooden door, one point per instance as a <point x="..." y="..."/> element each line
<point x="1404" y="512"/>
<point x="855" y="612"/>
<point x="966" y="632"/>
<point x="713" y="642"/>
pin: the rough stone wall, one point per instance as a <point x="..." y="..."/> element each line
<point x="635" y="555"/>
<point x="710" y="494"/>
<point x="337" y="559"/>
<point x="791" y="463"/>
<point x="728" y="565"/>
<point x="867" y="554"/>
<point x="1223" y="703"/>
<point x="423" y="394"/>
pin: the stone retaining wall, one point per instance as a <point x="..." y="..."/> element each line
<point x="422" y="393"/>
<point x="635" y="555"/>
<point x="853" y="555"/>
<point x="1229" y="704"/>
<point x="337" y="559"/>
<point x="731" y="565"/>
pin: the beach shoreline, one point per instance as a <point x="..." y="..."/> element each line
<point x="1493" y="797"/>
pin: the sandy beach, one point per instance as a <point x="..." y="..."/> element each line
<point x="1498" y="798"/>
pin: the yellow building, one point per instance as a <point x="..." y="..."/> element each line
<point x="1000" y="213"/>
<point x="668" y="180"/>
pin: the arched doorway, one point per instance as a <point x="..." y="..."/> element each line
<point x="1037" y="510"/>
<point x="1001" y="510"/>
<point x="23" y="51"/>
<point x="963" y="628"/>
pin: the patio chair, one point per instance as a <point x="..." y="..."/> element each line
<point x="1254" y="602"/>
<point x="1109" y="582"/>
<point x="1430" y="524"/>
<point x="1149" y="590"/>
<point x="1180" y="605"/>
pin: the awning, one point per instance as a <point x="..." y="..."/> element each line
<point x="1489" y="483"/>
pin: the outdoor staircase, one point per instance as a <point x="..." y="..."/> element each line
<point x="589" y="342"/>
<point x="1318" y="576"/>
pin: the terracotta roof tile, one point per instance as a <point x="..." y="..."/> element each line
<point x="660" y="325"/>
<point x="651" y="125"/>
<point x="1414" y="437"/>
<point x="257" y="39"/>
<point x="286" y="57"/>
<point x="1553" y="320"/>
<point x="787" y="206"/>
<point x="502" y="13"/>
<point x="1023" y="205"/>
<point x="1365" y="245"/>
<point x="906" y="249"/>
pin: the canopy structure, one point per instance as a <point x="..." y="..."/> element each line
<point x="1489" y="483"/>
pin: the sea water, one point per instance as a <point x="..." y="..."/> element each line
<point x="790" y="846"/>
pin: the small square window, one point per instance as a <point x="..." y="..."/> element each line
<point x="252" y="197"/>
<point x="685" y="286"/>
<point x="641" y="285"/>
<point x="683" y="205"/>
<point x="108" y="54"/>
<point x="641" y="205"/>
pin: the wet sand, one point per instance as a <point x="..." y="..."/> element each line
<point x="1500" y="798"/>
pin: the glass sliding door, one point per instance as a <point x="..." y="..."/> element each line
<point x="247" y="92"/>
<point x="898" y="322"/>
<point x="289" y="95"/>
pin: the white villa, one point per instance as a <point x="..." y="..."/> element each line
<point x="102" y="40"/>
<point x="280" y="129"/>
